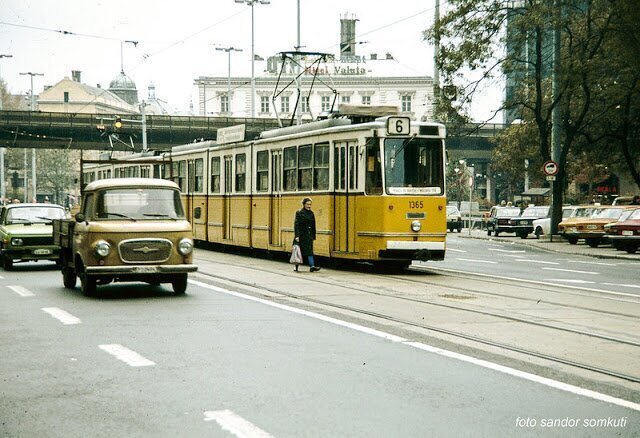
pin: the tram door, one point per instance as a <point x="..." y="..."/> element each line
<point x="345" y="183"/>
<point x="228" y="187"/>
<point x="275" y="208"/>
<point x="190" y="194"/>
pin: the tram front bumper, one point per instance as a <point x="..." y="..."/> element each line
<point x="410" y="250"/>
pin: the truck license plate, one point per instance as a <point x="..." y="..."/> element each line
<point x="41" y="251"/>
<point x="145" y="269"/>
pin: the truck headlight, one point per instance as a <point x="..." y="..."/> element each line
<point x="16" y="241"/>
<point x="416" y="226"/>
<point x="185" y="246"/>
<point x="102" y="248"/>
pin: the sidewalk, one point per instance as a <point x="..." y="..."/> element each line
<point x="558" y="244"/>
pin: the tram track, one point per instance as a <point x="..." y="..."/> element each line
<point x="446" y="331"/>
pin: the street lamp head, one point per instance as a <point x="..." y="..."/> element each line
<point x="461" y="161"/>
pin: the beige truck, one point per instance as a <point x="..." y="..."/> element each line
<point x="127" y="229"/>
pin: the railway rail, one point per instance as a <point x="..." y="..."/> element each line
<point x="551" y="329"/>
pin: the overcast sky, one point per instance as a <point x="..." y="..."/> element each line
<point x="177" y="40"/>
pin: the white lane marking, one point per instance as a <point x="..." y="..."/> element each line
<point x="544" y="282"/>
<point x="511" y="251"/>
<point x="22" y="291"/>
<point x="622" y="285"/>
<point x="456" y="250"/>
<point x="477" y="261"/>
<point x="62" y="316"/>
<point x="235" y="424"/>
<point x="566" y="280"/>
<point x="527" y="376"/>
<point x="572" y="271"/>
<point x="542" y="262"/>
<point x="591" y="263"/>
<point x="451" y="354"/>
<point x="1" y="277"/>
<point x="127" y="356"/>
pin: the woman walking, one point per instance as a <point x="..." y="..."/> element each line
<point x="305" y="231"/>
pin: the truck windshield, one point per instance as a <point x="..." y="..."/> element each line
<point x="413" y="166"/>
<point x="139" y="204"/>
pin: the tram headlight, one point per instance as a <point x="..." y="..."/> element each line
<point x="102" y="248"/>
<point x="185" y="246"/>
<point x="416" y="226"/>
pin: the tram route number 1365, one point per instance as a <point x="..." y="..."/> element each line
<point x="416" y="204"/>
<point x="398" y="126"/>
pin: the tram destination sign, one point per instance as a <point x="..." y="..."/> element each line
<point x="398" y="125"/>
<point x="230" y="134"/>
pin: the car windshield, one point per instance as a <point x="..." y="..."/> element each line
<point x="583" y="212"/>
<point x="635" y="214"/>
<point x="139" y="203"/>
<point x="452" y="211"/>
<point x="566" y="212"/>
<point x="535" y="212"/>
<point x="508" y="212"/>
<point x="607" y="213"/>
<point x="413" y="166"/>
<point x="34" y="214"/>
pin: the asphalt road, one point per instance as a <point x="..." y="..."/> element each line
<point x="140" y="361"/>
<point x="518" y="260"/>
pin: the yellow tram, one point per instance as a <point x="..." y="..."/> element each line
<point x="377" y="184"/>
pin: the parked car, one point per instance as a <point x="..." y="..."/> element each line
<point x="580" y="213"/>
<point x="454" y="218"/>
<point x="26" y="233"/>
<point x="625" y="233"/>
<point x="543" y="226"/>
<point x="499" y="218"/>
<point x="591" y="229"/>
<point x="523" y="225"/>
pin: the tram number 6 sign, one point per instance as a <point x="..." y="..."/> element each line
<point x="398" y="126"/>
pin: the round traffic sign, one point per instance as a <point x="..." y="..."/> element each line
<point x="550" y="167"/>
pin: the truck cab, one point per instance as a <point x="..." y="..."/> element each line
<point x="128" y="229"/>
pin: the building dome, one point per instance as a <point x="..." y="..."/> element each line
<point x="124" y="87"/>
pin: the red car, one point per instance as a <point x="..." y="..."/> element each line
<point x="625" y="234"/>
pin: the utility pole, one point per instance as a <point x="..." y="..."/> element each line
<point x="253" y="55"/>
<point x="556" y="121"/>
<point x="229" y="50"/>
<point x="33" y="150"/>
<point x="3" y="183"/>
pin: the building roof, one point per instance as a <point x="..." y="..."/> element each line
<point x="536" y="191"/>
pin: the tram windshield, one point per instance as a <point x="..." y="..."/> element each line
<point x="413" y="166"/>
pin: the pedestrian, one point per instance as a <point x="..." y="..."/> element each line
<point x="305" y="233"/>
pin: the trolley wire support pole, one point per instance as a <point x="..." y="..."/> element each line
<point x="253" y="55"/>
<point x="3" y="185"/>
<point x="33" y="150"/>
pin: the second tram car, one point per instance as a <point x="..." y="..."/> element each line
<point x="378" y="188"/>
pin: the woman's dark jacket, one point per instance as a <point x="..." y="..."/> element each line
<point x="305" y="229"/>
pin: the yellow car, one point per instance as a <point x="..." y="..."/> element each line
<point x="591" y="229"/>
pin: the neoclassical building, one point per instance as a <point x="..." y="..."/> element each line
<point x="353" y="79"/>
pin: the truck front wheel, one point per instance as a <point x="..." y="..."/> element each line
<point x="88" y="284"/>
<point x="69" y="277"/>
<point x="179" y="283"/>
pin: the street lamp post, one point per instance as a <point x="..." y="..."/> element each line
<point x="33" y="151"/>
<point x="3" y="185"/>
<point x="253" y="55"/>
<point x="229" y="50"/>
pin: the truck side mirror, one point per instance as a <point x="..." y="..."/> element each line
<point x="80" y="217"/>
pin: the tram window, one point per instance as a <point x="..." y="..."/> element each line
<point x="215" y="175"/>
<point x="180" y="173"/>
<point x="305" y="167"/>
<point x="321" y="166"/>
<point x="374" y="169"/>
<point x="241" y="175"/>
<point x="199" y="173"/>
<point x="290" y="179"/>
<point x="339" y="163"/>
<point x="413" y="163"/>
<point x="353" y="166"/>
<point x="262" y="171"/>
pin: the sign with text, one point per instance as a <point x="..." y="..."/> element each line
<point x="231" y="134"/>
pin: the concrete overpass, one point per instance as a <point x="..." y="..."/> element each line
<point x="54" y="130"/>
